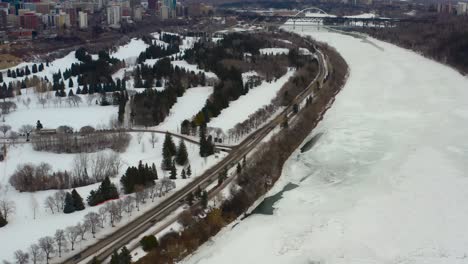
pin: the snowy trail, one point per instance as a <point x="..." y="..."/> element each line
<point x="386" y="182"/>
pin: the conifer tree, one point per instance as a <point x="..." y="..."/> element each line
<point x="70" y="92"/>
<point x="39" y="125"/>
<point x="77" y="201"/>
<point x="41" y="67"/>
<point x="239" y="168"/>
<point x="70" y="83"/>
<point x="182" y="155"/>
<point x="69" y="205"/>
<point x="168" y="151"/>
<point x="34" y="68"/>
<point x="189" y="171"/>
<point x="3" y="221"/>
<point x="115" y="258"/>
<point x="125" y="257"/>
<point x="154" y="171"/>
<point x="173" y="172"/>
<point x="183" y="175"/>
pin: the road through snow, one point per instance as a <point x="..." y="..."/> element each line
<point x="387" y="181"/>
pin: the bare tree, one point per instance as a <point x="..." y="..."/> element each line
<point x="59" y="198"/>
<point x="42" y="100"/>
<point x="103" y="215"/>
<point x="50" y="204"/>
<point x="60" y="241"/>
<point x="139" y="137"/>
<point x="34" y="205"/>
<point x="4" y="129"/>
<point x="35" y="253"/>
<point x="113" y="211"/>
<point x="27" y="102"/>
<point x="47" y="246"/>
<point x="13" y="137"/>
<point x="7" y="208"/>
<point x="153" y="139"/>
<point x="93" y="221"/>
<point x="81" y="165"/>
<point x="21" y="257"/>
<point x="167" y="185"/>
<point x="90" y="99"/>
<point x="82" y="228"/>
<point x="26" y="129"/>
<point x="128" y="205"/>
<point x="72" y="234"/>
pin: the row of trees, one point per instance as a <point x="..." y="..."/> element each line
<point x="66" y="202"/>
<point x="23" y="72"/>
<point x="87" y="169"/>
<point x="66" y="142"/>
<point x="65" y="240"/>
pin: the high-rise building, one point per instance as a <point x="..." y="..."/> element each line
<point x="114" y="15"/>
<point x="83" y="19"/>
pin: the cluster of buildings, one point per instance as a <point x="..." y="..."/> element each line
<point x="24" y="19"/>
<point x="460" y="8"/>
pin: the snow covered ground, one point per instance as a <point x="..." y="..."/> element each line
<point x="186" y="107"/>
<point x="192" y="67"/>
<point x="26" y="230"/>
<point x="246" y="105"/>
<point x="386" y="182"/>
<point x="130" y="51"/>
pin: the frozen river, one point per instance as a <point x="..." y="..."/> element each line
<point x="385" y="183"/>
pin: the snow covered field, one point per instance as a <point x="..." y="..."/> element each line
<point x="386" y="182"/>
<point x="186" y="107"/>
<point x="246" y="105"/>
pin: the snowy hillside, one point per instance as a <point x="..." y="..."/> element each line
<point x="385" y="183"/>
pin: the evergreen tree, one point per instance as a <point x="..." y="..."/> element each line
<point x="78" y="90"/>
<point x="239" y="168"/>
<point x="115" y="258"/>
<point x="3" y="221"/>
<point x="173" y="172"/>
<point x="70" y="83"/>
<point x="183" y="175"/>
<point x="125" y="257"/>
<point x="106" y="191"/>
<point x="69" y="206"/>
<point x="9" y="73"/>
<point x="189" y="171"/>
<point x="39" y="125"/>
<point x="190" y="199"/>
<point x="95" y="260"/>
<point x="149" y="242"/>
<point x="77" y="201"/>
<point x="168" y="151"/>
<point x="204" y="199"/>
<point x="154" y="171"/>
<point x="85" y="89"/>
<point x="34" y="68"/>
<point x="27" y="71"/>
<point x="182" y="155"/>
<point x="70" y="92"/>
<point x="41" y="67"/>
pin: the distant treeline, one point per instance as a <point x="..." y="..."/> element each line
<point x="445" y="39"/>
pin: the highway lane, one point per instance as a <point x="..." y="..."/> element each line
<point x="122" y="236"/>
